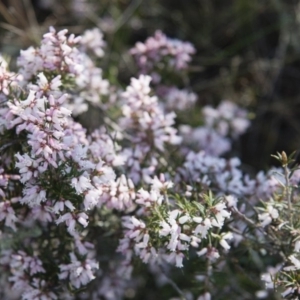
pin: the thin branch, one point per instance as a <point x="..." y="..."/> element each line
<point x="127" y="14"/>
<point x="172" y="283"/>
<point x="6" y="14"/>
<point x="242" y="216"/>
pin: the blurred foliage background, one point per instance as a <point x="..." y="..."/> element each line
<point x="247" y="52"/>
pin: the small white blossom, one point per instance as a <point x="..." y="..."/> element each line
<point x="266" y="218"/>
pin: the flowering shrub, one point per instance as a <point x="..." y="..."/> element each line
<point x="80" y="209"/>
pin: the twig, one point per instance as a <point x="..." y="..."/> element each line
<point x="127" y="14"/>
<point x="242" y="216"/>
<point x="172" y="283"/>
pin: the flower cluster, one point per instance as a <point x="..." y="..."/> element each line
<point x="149" y="128"/>
<point x="176" y="99"/>
<point x="161" y="52"/>
<point x="62" y="173"/>
<point x="60" y="55"/>
<point x="179" y="224"/>
<point x="226" y="119"/>
<point x="93" y="40"/>
<point x="162" y="57"/>
<point x="220" y="125"/>
<point x="80" y="206"/>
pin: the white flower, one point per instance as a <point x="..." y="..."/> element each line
<point x="166" y="228"/>
<point x="81" y="184"/>
<point x="297" y="246"/>
<point x="179" y="258"/>
<point x="160" y="184"/>
<point x="91" y="199"/>
<point x="261" y="294"/>
<point x="202" y="252"/>
<point x="231" y="201"/>
<point x="8" y="213"/>
<point x="266" y="218"/>
<point x="270" y="275"/>
<point x="184" y="219"/>
<point x="288" y="291"/>
<point x="205" y="296"/>
<point x="145" y="241"/>
<point x="83" y="219"/>
<point x="296" y="264"/>
<point x="184" y="237"/>
<point x="59" y="206"/>
<point x="219" y="217"/>
<point x="203" y="227"/>
<point x="93" y="39"/>
<point x="79" y="273"/>
<point x="223" y="242"/>
<point x="173" y="241"/>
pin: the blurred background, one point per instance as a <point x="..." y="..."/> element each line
<point x="247" y="52"/>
